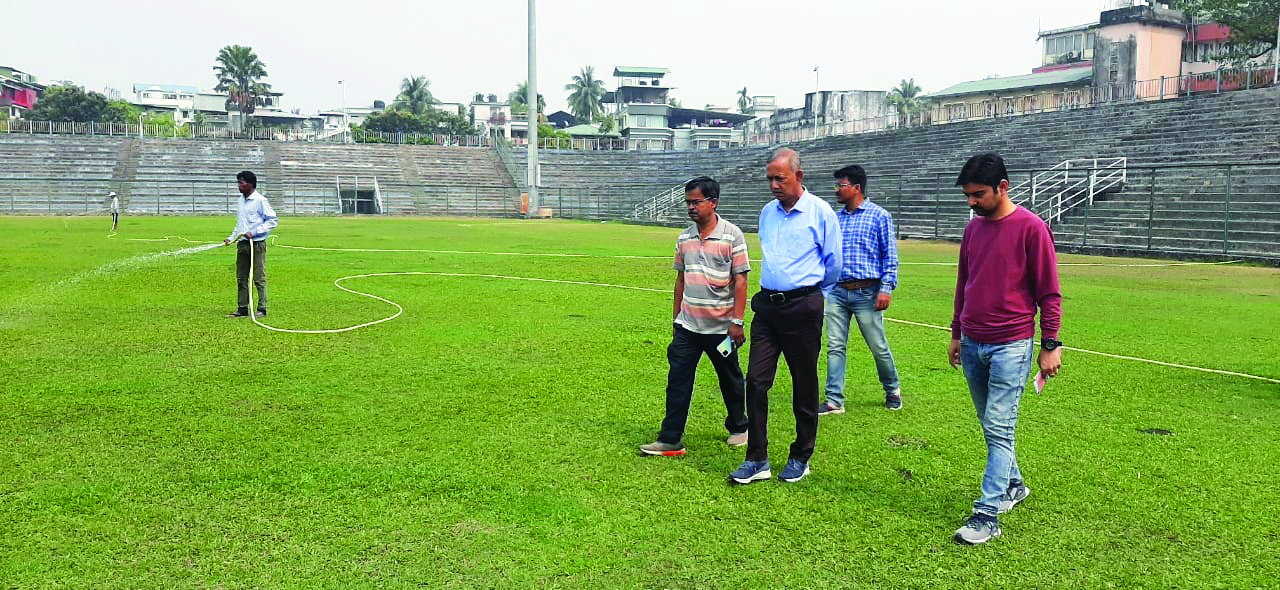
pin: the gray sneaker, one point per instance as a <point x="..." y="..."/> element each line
<point x="737" y="439"/>
<point x="1016" y="494"/>
<point x="829" y="408"/>
<point x="663" y="449"/>
<point x="980" y="528"/>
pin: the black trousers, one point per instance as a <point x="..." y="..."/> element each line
<point x="791" y="329"/>
<point x="683" y="354"/>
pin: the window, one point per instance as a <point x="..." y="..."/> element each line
<point x="171" y="97"/>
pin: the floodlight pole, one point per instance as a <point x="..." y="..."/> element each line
<point x="816" y="86"/>
<point x="531" y="102"/>
<point x="1275" y="63"/>
<point x="346" y="120"/>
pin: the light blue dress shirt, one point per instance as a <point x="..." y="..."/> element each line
<point x="255" y="216"/>
<point x="801" y="247"/>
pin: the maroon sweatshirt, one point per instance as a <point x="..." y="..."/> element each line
<point x="1007" y="269"/>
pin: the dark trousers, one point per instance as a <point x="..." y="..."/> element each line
<point x="259" y="274"/>
<point x="792" y="329"/>
<point x="683" y="354"/>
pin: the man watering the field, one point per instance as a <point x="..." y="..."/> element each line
<point x="254" y="221"/>
<point x="710" y="300"/>
<point x="1008" y="270"/>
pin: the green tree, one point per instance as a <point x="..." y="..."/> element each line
<point x="69" y="103"/>
<point x="432" y="121"/>
<point x="608" y="124"/>
<point x="520" y="97"/>
<point x="906" y="100"/>
<point x="585" y="96"/>
<point x="744" y="102"/>
<point x="239" y="73"/>
<point x="415" y="95"/>
<point x="1252" y="24"/>
<point x="121" y="111"/>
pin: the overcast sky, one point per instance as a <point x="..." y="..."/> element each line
<point x="713" y="49"/>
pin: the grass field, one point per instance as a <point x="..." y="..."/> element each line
<point x="487" y="438"/>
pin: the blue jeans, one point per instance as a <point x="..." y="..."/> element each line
<point x="860" y="304"/>
<point x="997" y="375"/>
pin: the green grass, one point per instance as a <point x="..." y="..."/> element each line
<point x="487" y="438"/>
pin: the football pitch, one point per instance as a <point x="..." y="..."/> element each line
<point x="487" y="437"/>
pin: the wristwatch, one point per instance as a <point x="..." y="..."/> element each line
<point x="736" y="321"/>
<point x="1049" y="344"/>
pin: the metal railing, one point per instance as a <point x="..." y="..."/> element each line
<point x="1218" y="81"/>
<point x="190" y="131"/>
<point x="653" y="207"/>
<point x="1054" y="192"/>
<point x="1209" y="210"/>
<point x="592" y="144"/>
<point x="501" y="146"/>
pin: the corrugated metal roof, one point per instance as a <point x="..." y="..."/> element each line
<point x="1054" y="78"/>
<point x="632" y="70"/>
<point x="165" y="88"/>
<point x="585" y="130"/>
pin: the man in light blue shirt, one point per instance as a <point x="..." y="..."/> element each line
<point x="800" y="238"/>
<point x="254" y="221"/>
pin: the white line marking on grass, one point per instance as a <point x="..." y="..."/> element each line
<point x="400" y="310"/>
<point x="479" y="275"/>
<point x="641" y="257"/>
<point x="549" y="254"/>
<point x="1117" y="356"/>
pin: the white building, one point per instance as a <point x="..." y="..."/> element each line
<point x="496" y="116"/>
<point x="167" y="98"/>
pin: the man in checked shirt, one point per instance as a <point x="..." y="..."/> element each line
<point x="868" y="275"/>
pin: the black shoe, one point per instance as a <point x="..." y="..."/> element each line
<point x="238" y="314"/>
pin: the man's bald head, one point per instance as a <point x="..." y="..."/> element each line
<point x="786" y="179"/>
<point x="788" y="156"/>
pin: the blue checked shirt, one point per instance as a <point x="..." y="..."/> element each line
<point x="870" y="250"/>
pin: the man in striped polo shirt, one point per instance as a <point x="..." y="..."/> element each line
<point x="710" y="301"/>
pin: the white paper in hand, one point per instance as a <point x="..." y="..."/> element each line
<point x="1041" y="381"/>
<point x="725" y="348"/>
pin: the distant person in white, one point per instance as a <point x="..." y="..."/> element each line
<point x="254" y="221"/>
<point x="115" y="210"/>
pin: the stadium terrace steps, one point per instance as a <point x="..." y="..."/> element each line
<point x="912" y="173"/>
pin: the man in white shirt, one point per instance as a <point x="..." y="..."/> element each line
<point x="254" y="221"/>
<point x="115" y="210"/>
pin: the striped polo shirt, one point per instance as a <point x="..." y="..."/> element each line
<point x="708" y="266"/>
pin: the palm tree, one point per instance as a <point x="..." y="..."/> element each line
<point x="743" y="102"/>
<point x="415" y="95"/>
<point x="520" y="97"/>
<point x="587" y="92"/>
<point x="238" y="71"/>
<point x="906" y="100"/>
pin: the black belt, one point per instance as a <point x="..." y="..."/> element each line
<point x="858" y="283"/>
<point x="785" y="296"/>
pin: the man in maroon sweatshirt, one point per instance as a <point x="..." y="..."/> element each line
<point x="1007" y="270"/>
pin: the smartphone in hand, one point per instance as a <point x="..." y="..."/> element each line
<point x="725" y="348"/>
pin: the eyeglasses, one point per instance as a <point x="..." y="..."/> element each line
<point x="840" y="185"/>
<point x="694" y="202"/>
